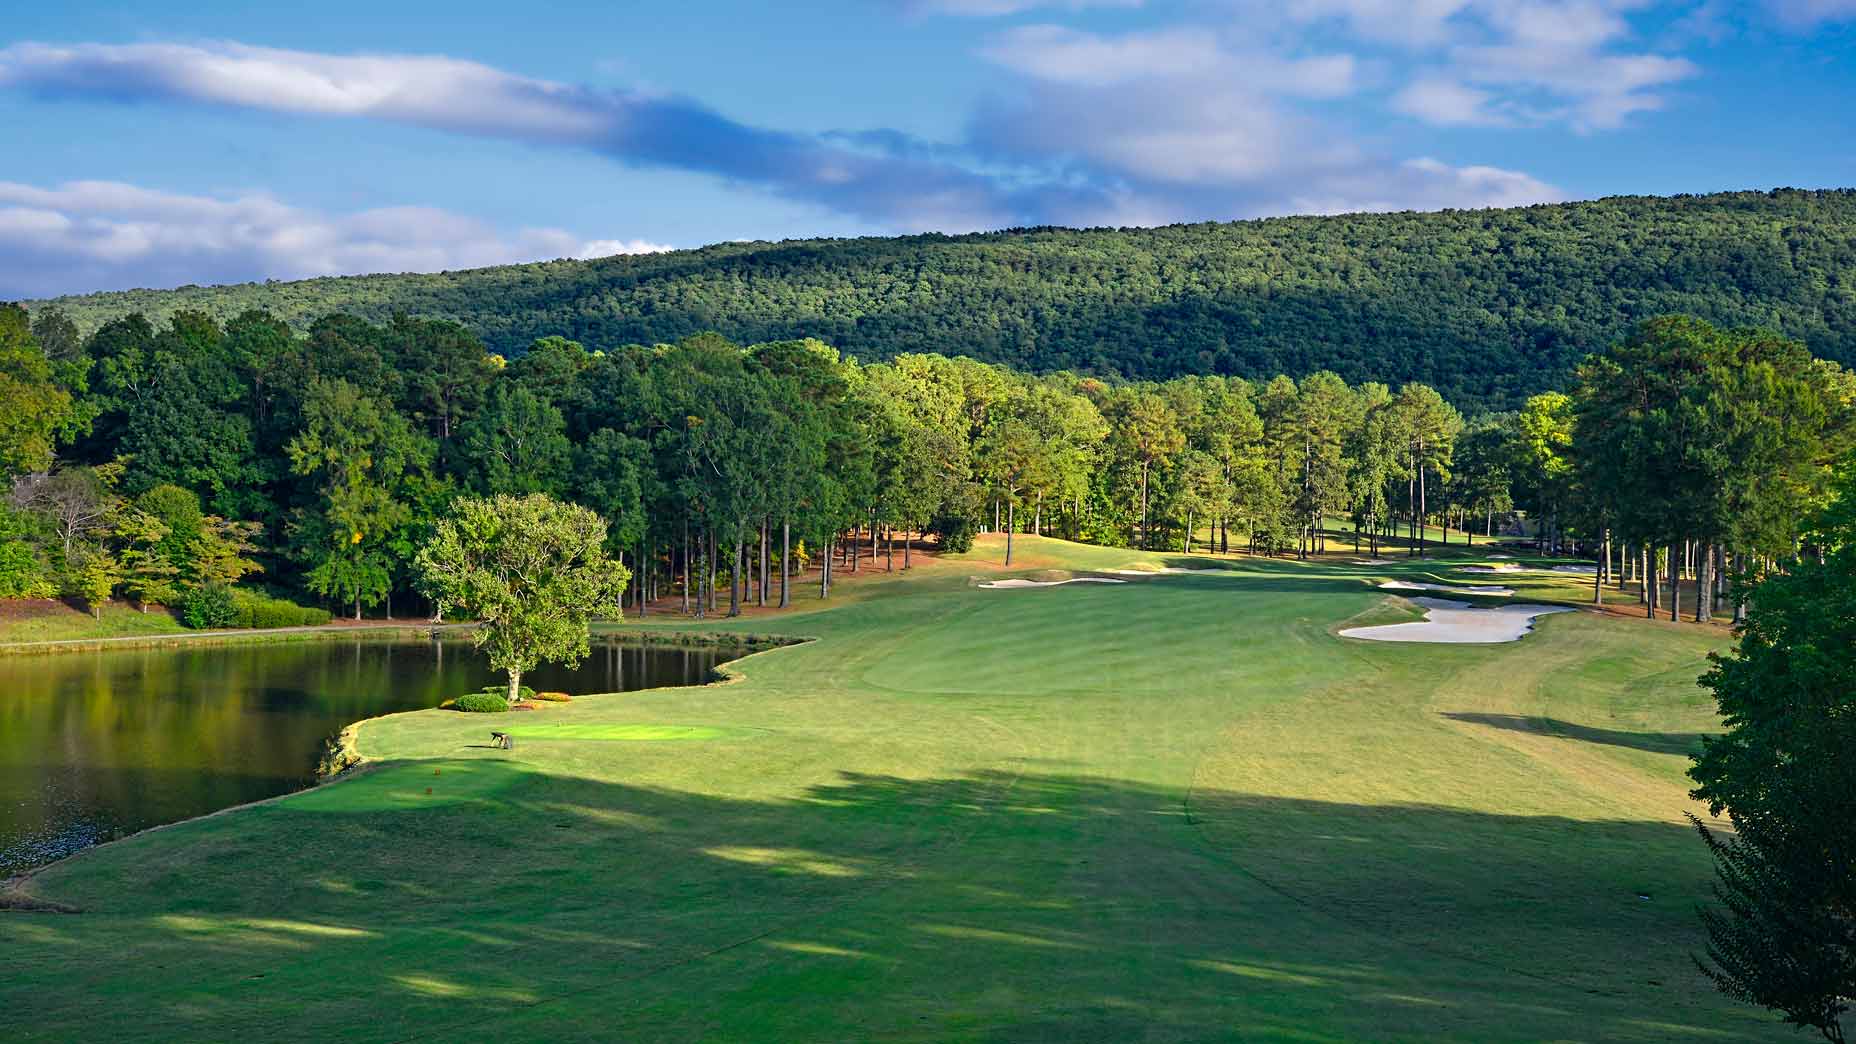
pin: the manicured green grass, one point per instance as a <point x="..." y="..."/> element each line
<point x="1178" y="808"/>
<point x="637" y="733"/>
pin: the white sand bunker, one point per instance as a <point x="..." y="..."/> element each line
<point x="1003" y="585"/>
<point x="1374" y="561"/>
<point x="1459" y="623"/>
<point x="1406" y="585"/>
<point x="1506" y="568"/>
<point x="1587" y="570"/>
<point x="1493" y="557"/>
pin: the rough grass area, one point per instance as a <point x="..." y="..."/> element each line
<point x="51" y="620"/>
<point x="1177" y="809"/>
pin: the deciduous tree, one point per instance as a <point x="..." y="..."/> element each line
<point x="532" y="571"/>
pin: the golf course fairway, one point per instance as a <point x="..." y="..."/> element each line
<point x="1176" y="808"/>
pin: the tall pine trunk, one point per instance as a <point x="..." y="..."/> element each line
<point x="734" y="578"/>
<point x="824" y="571"/>
<point x="1423" y="510"/>
<point x="1411" y="508"/>
<point x="786" y="559"/>
<point x="1010" y="524"/>
<point x="1675" y="583"/>
<point x="644" y="576"/>
<point x="1144" y="545"/>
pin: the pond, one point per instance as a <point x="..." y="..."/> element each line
<point x="96" y="745"/>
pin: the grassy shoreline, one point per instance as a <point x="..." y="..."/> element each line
<point x="225" y="637"/>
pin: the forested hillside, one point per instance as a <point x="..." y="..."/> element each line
<point x="1487" y="306"/>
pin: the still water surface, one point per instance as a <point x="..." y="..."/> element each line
<point x="99" y="744"/>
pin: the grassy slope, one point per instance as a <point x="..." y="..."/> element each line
<point x="1177" y="808"/>
<point x="52" y="621"/>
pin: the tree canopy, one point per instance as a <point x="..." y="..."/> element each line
<point x="532" y="570"/>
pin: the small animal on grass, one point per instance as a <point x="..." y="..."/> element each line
<point x="503" y="740"/>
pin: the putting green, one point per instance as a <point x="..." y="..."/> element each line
<point x="1174" y="811"/>
<point x="589" y="731"/>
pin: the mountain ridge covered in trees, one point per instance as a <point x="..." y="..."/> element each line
<point x="1487" y="306"/>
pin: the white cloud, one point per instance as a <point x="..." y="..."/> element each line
<point x="1510" y="62"/>
<point x="613" y="247"/>
<point x="1805" y="14"/>
<point x="1103" y="126"/>
<point x="634" y="127"/>
<point x="1135" y="128"/>
<point x="1189" y="124"/>
<point x="89" y="235"/>
<point x="1447" y="103"/>
<point x="1062" y="55"/>
<point x="1409" y="23"/>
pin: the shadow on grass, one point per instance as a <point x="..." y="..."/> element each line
<point x="989" y="906"/>
<point x="1654" y="742"/>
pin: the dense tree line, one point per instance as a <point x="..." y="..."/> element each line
<point x="155" y="462"/>
<point x="1487" y="306"/>
<point x="1692" y="450"/>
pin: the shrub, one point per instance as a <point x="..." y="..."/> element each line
<point x="22" y="575"/>
<point x="955" y="532"/>
<point x="553" y="697"/>
<point x="501" y="692"/>
<point x="209" y="606"/>
<point x="260" y="610"/>
<point x="481" y="703"/>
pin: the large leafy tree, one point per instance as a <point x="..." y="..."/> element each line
<point x="1429" y="426"/>
<point x="1544" y="438"/>
<point x="1144" y="431"/>
<point x="442" y="371"/>
<point x="1686" y="431"/>
<point x="516" y="444"/>
<point x="1010" y="451"/>
<point x="1784" y="934"/>
<point x="359" y="454"/>
<point x="57" y="335"/>
<point x="531" y="570"/>
<point x="186" y="419"/>
<point x="1324" y="412"/>
<point x="35" y="411"/>
<point x="1485" y="464"/>
<point x="1375" y="450"/>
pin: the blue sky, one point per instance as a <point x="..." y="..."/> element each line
<point x="161" y="143"/>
